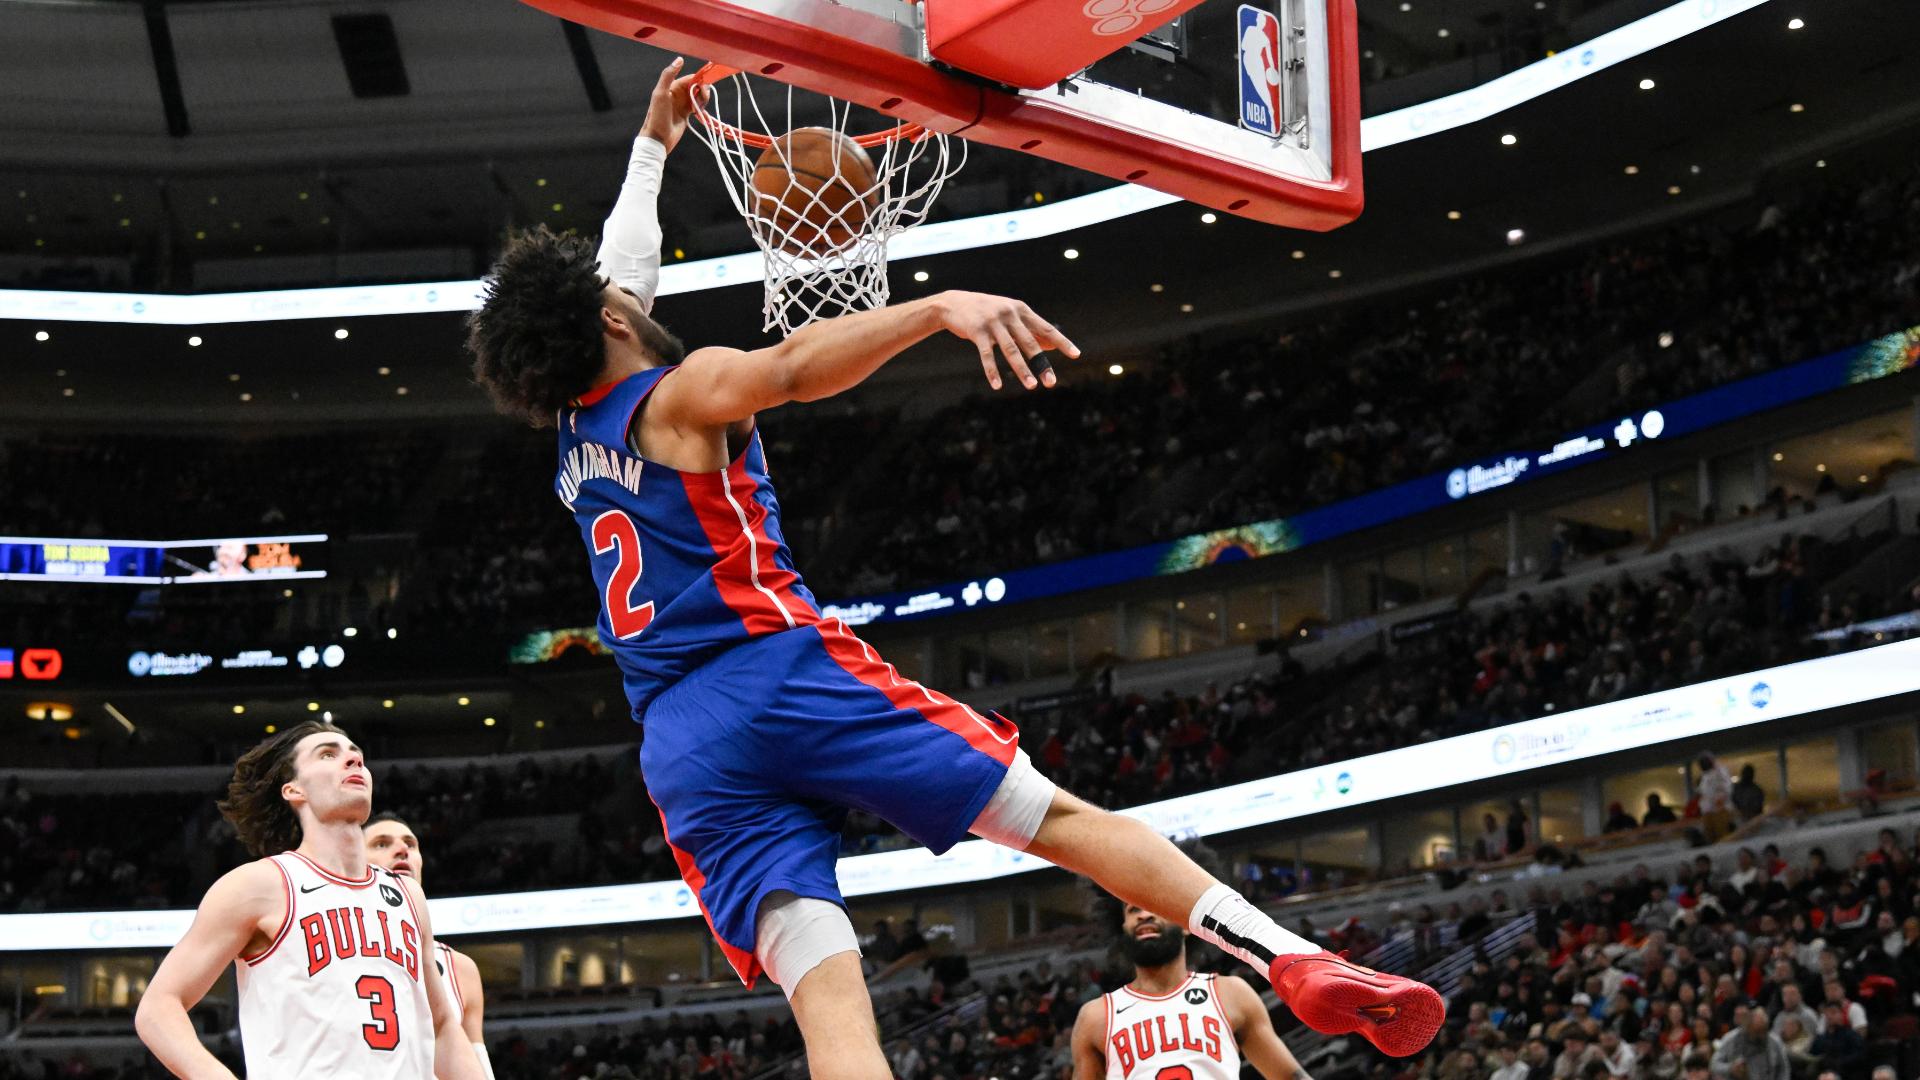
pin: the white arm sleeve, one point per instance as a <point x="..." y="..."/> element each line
<point x="486" y="1066"/>
<point x="630" y="240"/>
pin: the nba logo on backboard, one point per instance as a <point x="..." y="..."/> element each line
<point x="1259" y="71"/>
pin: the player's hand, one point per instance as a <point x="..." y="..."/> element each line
<point x="1022" y="337"/>
<point x="670" y="105"/>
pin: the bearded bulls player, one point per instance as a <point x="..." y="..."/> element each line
<point x="334" y="959"/>
<point x="1173" y="1024"/>
<point x="392" y="845"/>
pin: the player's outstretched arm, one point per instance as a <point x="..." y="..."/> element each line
<point x="716" y="386"/>
<point x="631" y="239"/>
<point x="1252" y="1025"/>
<point x="247" y="904"/>
<point x="453" y="1056"/>
<point x="1089" y="1038"/>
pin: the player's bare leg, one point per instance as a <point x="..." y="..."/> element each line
<point x="835" y="1015"/>
<point x="1133" y="862"/>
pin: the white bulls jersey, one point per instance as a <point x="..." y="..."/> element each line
<point x="339" y="992"/>
<point x="1179" y="1036"/>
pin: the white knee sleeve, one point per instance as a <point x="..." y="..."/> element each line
<point x="796" y="933"/>
<point x="1012" y="817"/>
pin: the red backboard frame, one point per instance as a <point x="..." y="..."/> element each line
<point x="869" y="52"/>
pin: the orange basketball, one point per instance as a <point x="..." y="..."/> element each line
<point x="815" y="188"/>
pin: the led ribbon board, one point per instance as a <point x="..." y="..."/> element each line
<point x="161" y="562"/>
<point x="1376" y="132"/>
<point x="1685" y="712"/>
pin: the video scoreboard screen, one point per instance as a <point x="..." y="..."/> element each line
<point x="162" y="562"/>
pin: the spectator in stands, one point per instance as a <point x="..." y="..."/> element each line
<point x="1839" y="1047"/>
<point x="1715" y="792"/>
<point x="1492" y="843"/>
<point x="1794" y="1007"/>
<point x="1658" y="813"/>
<point x="884" y="949"/>
<point x="1748" y="797"/>
<point x="1575" y="1055"/>
<point x="1752" y="1052"/>
<point x="1618" y="820"/>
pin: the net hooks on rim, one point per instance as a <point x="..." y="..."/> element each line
<point x="821" y="260"/>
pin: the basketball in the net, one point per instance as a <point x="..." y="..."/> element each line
<point x="814" y="188"/>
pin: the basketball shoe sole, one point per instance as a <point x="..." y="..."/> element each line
<point x="1334" y="997"/>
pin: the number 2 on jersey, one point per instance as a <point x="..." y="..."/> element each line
<point x="1174" y="1072"/>
<point x="613" y="532"/>
<point x="384" y="1032"/>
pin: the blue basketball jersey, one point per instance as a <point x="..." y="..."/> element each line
<point x="688" y="565"/>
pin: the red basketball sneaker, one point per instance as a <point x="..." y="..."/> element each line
<point x="1332" y="996"/>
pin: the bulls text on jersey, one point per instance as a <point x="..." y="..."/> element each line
<point x="342" y="932"/>
<point x="1184" y="1034"/>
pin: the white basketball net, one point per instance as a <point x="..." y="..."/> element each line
<point x="824" y="257"/>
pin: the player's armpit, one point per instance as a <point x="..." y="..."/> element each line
<point x="1089" y="1041"/>
<point x="246" y="907"/>
<point x="1252" y="1025"/>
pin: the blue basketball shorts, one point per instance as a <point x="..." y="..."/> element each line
<point x="754" y="757"/>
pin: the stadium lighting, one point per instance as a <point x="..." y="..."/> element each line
<point x="1673" y="189"/>
<point x="1444" y="32"/>
<point x="400" y="391"/>
<point x="327" y="716"/>
<point x="245" y="397"/>
<point x="272" y="728"/>
<point x="1333" y="273"/>
<point x="239" y="710"/>
<point x="1778" y="456"/>
<point x="1298" y="254"/>
<point x="194" y="341"/>
<point x="386" y="703"/>
<point x="489" y="721"/>
<point x="1516" y="236"/>
<point x="1186" y="309"/>
<point x="386" y="371"/>
<point x="313" y="706"/>
<point x="1796" y="107"/>
<point x="1156" y="287"/>
<point x="1209" y="218"/>
<point x="1070" y="253"/>
<point x="1646" y="84"/>
<point x="351" y="631"/>
<point x="1796" y="24"/>
<point x="1633" y="170"/>
<point x="1115" y="369"/>
<point x="463" y="700"/>
<point x="392" y="633"/>
<point x="920" y="275"/>
<point x="1453" y="215"/>
<point x="340" y="334"/>
<point x="41" y="335"/>
<point x="1666" y="339"/>
<point x="1509" y="139"/>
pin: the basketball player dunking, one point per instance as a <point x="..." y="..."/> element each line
<point x="391" y="845"/>
<point x="334" y="959"/>
<point x="763" y="717"/>
<point x="1173" y="1023"/>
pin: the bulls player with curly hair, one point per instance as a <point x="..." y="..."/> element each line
<point x="1171" y="1023"/>
<point x="333" y="958"/>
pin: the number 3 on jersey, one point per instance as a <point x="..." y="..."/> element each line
<point x="613" y="532"/>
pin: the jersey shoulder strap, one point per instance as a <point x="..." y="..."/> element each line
<point x="604" y="415"/>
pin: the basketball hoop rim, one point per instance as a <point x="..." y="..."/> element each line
<point x="712" y="73"/>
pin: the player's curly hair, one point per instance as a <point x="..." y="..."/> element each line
<point x="266" y="824"/>
<point x="536" y="340"/>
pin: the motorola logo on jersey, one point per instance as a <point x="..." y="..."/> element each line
<point x="1196" y="996"/>
<point x="390" y="894"/>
